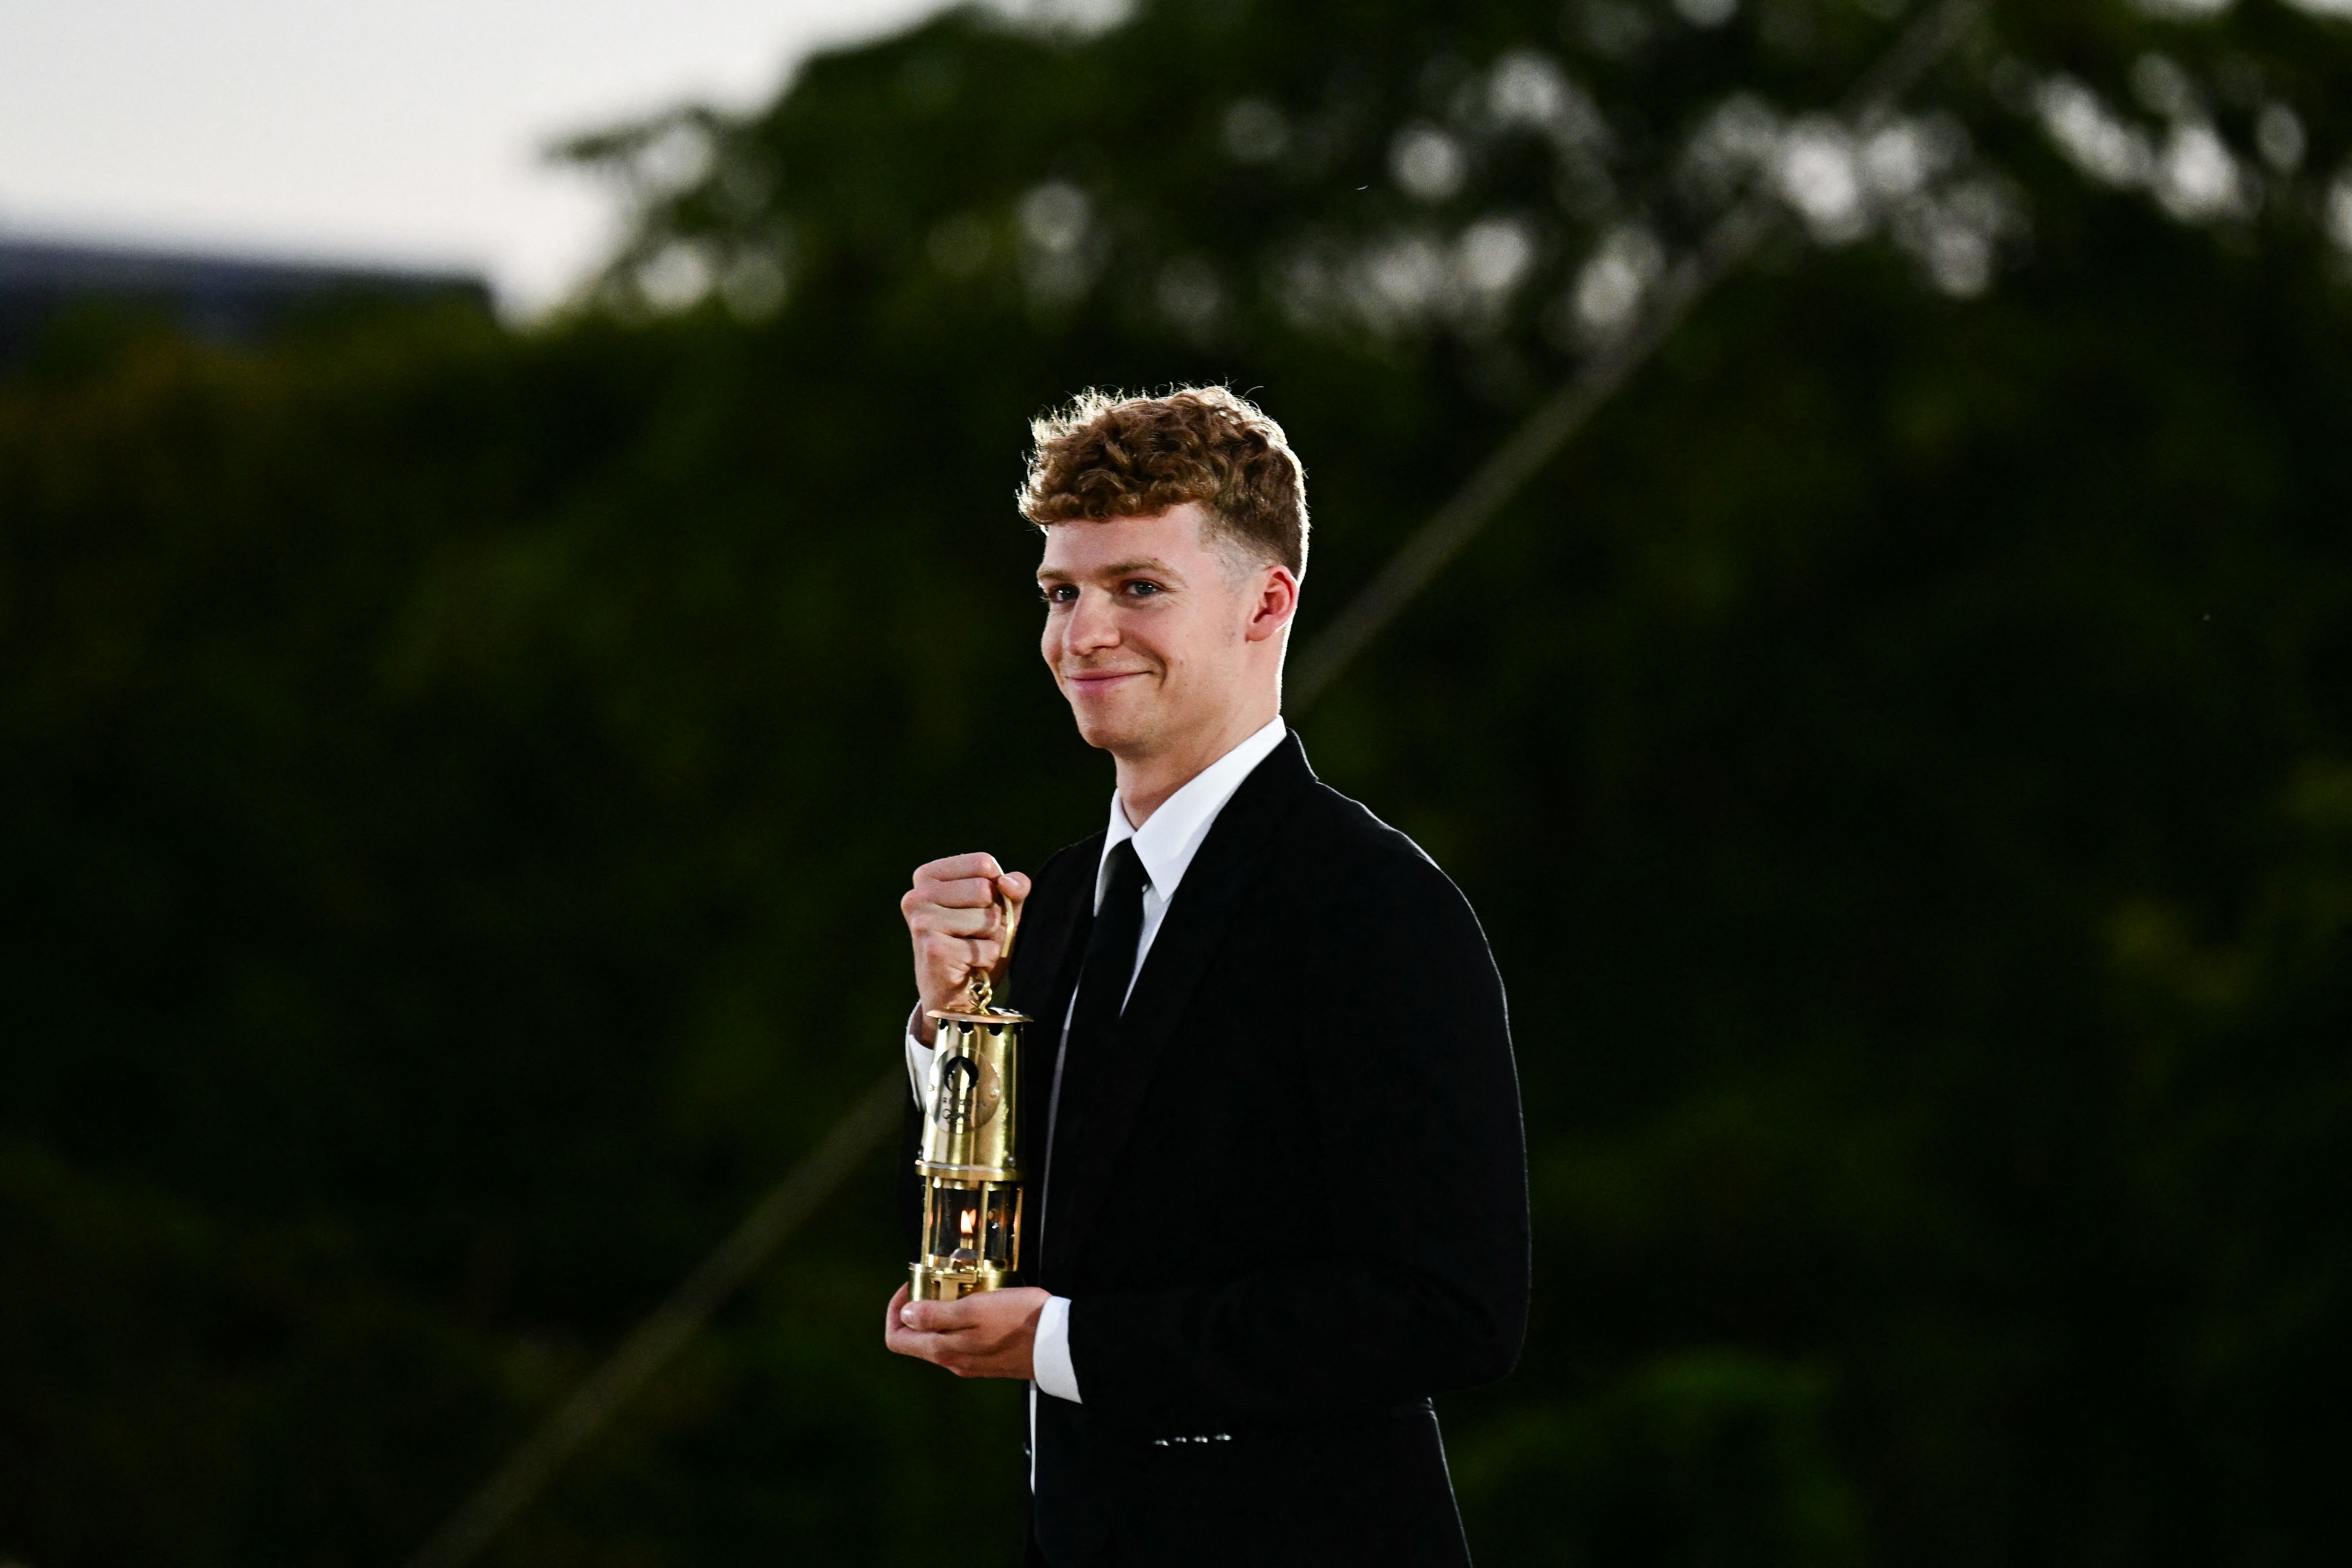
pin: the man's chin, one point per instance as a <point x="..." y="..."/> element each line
<point x="1105" y="729"/>
<point x="1101" y="733"/>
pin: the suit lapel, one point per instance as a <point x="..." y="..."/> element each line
<point x="1054" y="927"/>
<point x="1045" y="959"/>
<point x="1214" y="884"/>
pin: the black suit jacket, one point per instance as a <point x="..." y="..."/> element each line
<point x="1288" y="1202"/>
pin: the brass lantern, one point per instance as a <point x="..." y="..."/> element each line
<point x="970" y="1162"/>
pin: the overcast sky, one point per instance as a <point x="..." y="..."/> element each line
<point x="406" y="132"/>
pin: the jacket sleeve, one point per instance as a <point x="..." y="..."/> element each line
<point x="1417" y="1283"/>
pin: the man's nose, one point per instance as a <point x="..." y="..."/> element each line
<point x="1094" y="624"/>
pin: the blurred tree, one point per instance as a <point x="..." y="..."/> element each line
<point x="459" y="782"/>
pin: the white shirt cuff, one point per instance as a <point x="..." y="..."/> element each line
<point x="1049" y="1358"/>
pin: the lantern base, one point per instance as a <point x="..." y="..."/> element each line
<point x="929" y="1284"/>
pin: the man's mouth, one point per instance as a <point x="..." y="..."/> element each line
<point x="1094" y="680"/>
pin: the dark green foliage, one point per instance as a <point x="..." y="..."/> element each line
<point x="457" y="785"/>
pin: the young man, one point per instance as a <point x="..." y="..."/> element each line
<point x="1280" y="1196"/>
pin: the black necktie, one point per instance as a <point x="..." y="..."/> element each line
<point x="1110" y="957"/>
<point x="1102" y="990"/>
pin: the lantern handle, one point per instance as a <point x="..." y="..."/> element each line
<point x="979" y="985"/>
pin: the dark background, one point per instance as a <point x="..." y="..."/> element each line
<point x="455" y="781"/>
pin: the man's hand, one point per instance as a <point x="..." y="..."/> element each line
<point x="989" y="1335"/>
<point x="952" y="914"/>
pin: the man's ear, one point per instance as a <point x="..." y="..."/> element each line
<point x="1276" y="603"/>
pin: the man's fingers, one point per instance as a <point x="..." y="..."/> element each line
<point x="956" y="867"/>
<point x="936" y="1317"/>
<point x="945" y="920"/>
<point x="929" y="1330"/>
<point x="967" y="919"/>
<point x="970" y="925"/>
<point x="896" y="1335"/>
<point x="961" y="893"/>
<point x="940" y="1350"/>
<point x="890" y="1326"/>
<point x="957" y="953"/>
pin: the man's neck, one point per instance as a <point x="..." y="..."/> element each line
<point x="1147" y="780"/>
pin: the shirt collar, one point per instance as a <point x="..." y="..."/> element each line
<point x="1167" y="843"/>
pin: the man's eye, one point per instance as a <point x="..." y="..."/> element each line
<point x="1060" y="594"/>
<point x="1143" y="590"/>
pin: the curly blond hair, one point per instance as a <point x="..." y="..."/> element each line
<point x="1108" y="455"/>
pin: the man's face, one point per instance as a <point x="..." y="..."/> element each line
<point x="1147" y="627"/>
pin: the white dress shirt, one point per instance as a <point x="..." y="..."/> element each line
<point x="1165" y="845"/>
